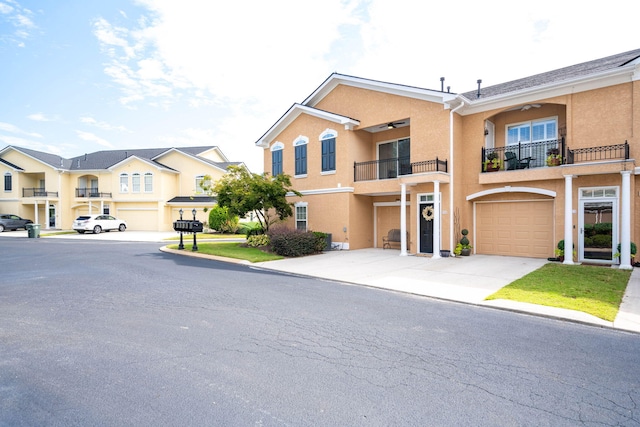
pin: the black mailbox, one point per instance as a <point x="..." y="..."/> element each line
<point x="188" y="226"/>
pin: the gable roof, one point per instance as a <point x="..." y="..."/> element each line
<point x="103" y="160"/>
<point x="573" y="72"/>
<point x="293" y="112"/>
<point x="336" y="79"/>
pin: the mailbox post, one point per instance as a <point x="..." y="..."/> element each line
<point x="188" y="226"/>
<point x="195" y="244"/>
<point x="181" y="245"/>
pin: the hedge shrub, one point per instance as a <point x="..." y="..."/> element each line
<point x="294" y="243"/>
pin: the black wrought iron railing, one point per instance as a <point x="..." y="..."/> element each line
<point x="38" y="192"/>
<point x="594" y="154"/>
<point x="91" y="192"/>
<point x="547" y="153"/>
<point x="395" y="167"/>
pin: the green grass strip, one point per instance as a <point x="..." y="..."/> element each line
<point x="230" y="250"/>
<point x="594" y="290"/>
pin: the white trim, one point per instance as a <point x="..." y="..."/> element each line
<point x="615" y="222"/>
<point x="277" y="146"/>
<point x="300" y="140"/>
<point x="510" y="189"/>
<point x="377" y="204"/>
<point x="323" y="191"/>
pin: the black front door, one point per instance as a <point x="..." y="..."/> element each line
<point x="426" y="228"/>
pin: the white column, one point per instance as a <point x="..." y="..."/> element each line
<point x="35" y="206"/>
<point x="46" y="213"/>
<point x="568" y="219"/>
<point x="436" y="219"/>
<point x="403" y="220"/>
<point x="625" y="222"/>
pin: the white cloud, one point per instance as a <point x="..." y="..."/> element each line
<point x="100" y="124"/>
<point x="41" y="117"/>
<point x="19" y="20"/>
<point x="8" y="127"/>
<point x="90" y="137"/>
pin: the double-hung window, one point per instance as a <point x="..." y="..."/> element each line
<point x="148" y="182"/>
<point x="8" y="185"/>
<point x="124" y="183"/>
<point x="328" y="142"/>
<point x="135" y="182"/>
<point x="276" y="158"/>
<point x="300" y="146"/>
<point x="301" y="216"/>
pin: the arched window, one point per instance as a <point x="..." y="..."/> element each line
<point x="124" y="183"/>
<point x="300" y="146"/>
<point x="135" y="182"/>
<point x="328" y="143"/>
<point x="148" y="182"/>
<point x="276" y="158"/>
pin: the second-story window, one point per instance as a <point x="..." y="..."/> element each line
<point x="124" y="183"/>
<point x="8" y="185"/>
<point x="538" y="131"/>
<point x="328" y="143"/>
<point x="148" y="182"/>
<point x="276" y="158"/>
<point x="135" y="182"/>
<point x="300" y="145"/>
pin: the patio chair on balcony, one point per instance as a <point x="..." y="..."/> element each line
<point x="513" y="163"/>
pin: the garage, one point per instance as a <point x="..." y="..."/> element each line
<point x="515" y="228"/>
<point x="139" y="219"/>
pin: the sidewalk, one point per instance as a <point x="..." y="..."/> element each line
<point x="465" y="279"/>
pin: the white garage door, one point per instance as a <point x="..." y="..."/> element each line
<point x="515" y="228"/>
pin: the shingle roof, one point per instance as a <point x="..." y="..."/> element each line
<point x="106" y="159"/>
<point x="559" y="75"/>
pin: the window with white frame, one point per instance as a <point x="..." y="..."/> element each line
<point x="301" y="216"/>
<point x="199" y="181"/>
<point x="124" y="183"/>
<point x="8" y="183"/>
<point x="300" y="146"/>
<point x="135" y="182"/>
<point x="534" y="131"/>
<point x="276" y="158"/>
<point x="328" y="147"/>
<point x="148" y="182"/>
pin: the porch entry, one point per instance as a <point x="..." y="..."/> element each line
<point x="426" y="228"/>
<point x="426" y="214"/>
<point x="52" y="216"/>
<point x="598" y="224"/>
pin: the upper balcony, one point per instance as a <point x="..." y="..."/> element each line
<point x="394" y="168"/>
<point x="38" y="192"/>
<point x="547" y="153"/>
<point x="91" y="193"/>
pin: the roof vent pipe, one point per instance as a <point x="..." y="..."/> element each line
<point x="441" y="84"/>
<point x="479" y="81"/>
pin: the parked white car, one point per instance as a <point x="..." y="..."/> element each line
<point x="98" y="223"/>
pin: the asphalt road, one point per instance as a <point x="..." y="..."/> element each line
<point x="113" y="333"/>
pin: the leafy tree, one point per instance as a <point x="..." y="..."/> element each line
<point x="242" y="192"/>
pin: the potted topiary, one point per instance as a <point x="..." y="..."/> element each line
<point x="465" y="247"/>
<point x="560" y="251"/>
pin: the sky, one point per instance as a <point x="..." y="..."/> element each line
<point x="80" y="76"/>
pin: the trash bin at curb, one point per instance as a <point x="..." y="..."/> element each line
<point x="33" y="230"/>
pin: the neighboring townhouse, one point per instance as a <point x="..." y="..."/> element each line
<point x="145" y="187"/>
<point x="521" y="165"/>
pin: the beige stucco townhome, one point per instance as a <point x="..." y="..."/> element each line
<point x="521" y="165"/>
<point x="145" y="187"/>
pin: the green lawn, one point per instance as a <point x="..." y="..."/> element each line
<point x="207" y="236"/>
<point x="230" y="250"/>
<point x="594" y="290"/>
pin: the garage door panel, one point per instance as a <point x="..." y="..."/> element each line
<point x="515" y="228"/>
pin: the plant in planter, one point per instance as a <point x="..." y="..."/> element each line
<point x="553" y="157"/>
<point x="633" y="250"/>
<point x="559" y="251"/>
<point x="492" y="162"/>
